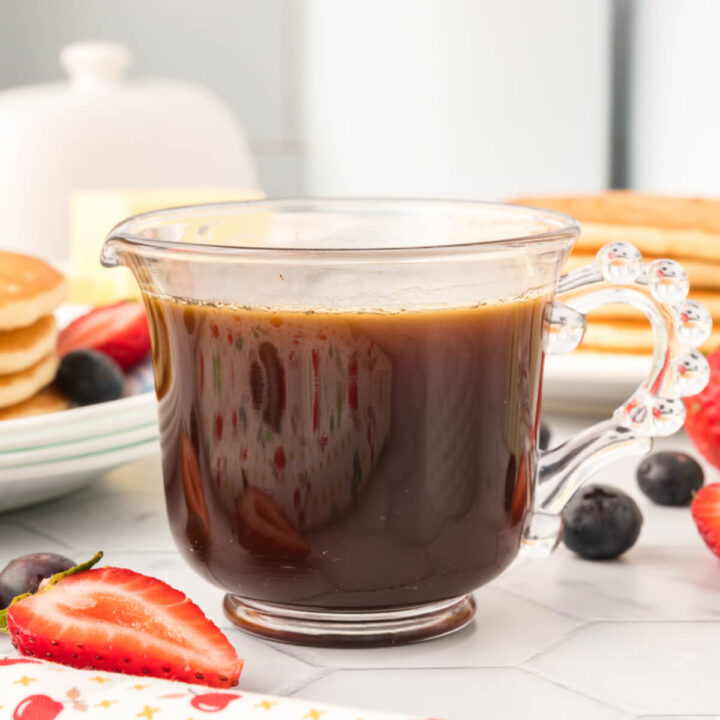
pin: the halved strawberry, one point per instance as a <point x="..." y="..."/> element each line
<point x="120" y="331"/>
<point x="702" y="421"/>
<point x="117" y="620"/>
<point x="706" y="514"/>
<point x="264" y="530"/>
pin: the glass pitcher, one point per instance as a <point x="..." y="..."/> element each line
<point x="349" y="394"/>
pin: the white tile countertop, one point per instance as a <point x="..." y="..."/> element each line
<point x="554" y="639"/>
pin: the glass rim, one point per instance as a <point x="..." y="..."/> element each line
<point x="565" y="228"/>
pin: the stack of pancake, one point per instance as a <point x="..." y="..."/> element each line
<point x="683" y="229"/>
<point x="30" y="290"/>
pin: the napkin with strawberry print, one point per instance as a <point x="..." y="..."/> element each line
<point x="36" y="690"/>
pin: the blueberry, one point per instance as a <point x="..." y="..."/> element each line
<point x="670" y="478"/>
<point x="88" y="377"/>
<point x="544" y="436"/>
<point x="25" y="573"/>
<point x="601" y="522"/>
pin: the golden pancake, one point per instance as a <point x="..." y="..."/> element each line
<point x="19" y="386"/>
<point x="711" y="300"/>
<point x="702" y="275"/>
<point x="629" y="337"/>
<point x="625" y="207"/>
<point x="46" y="401"/>
<point x="682" y="228"/>
<point x="676" y="227"/>
<point x="23" y="347"/>
<point x="29" y="289"/>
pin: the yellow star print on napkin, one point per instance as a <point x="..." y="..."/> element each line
<point x="314" y="714"/>
<point x="25" y="680"/>
<point x="148" y="712"/>
<point x="267" y="704"/>
<point x="106" y="703"/>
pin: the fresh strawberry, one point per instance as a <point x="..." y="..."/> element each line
<point x="120" y="331"/>
<point x="117" y="620"/>
<point x="702" y="422"/>
<point x="706" y="514"/>
<point x="263" y="528"/>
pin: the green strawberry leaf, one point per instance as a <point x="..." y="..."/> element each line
<point x="46" y="585"/>
<point x="49" y="582"/>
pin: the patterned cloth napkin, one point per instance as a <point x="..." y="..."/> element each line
<point x="37" y="690"/>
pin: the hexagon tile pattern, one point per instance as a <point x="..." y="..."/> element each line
<point x="562" y="639"/>
<point x="460" y="694"/>
<point x="612" y="662"/>
<point x="507" y="631"/>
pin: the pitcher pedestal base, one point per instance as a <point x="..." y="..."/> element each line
<point x="350" y="628"/>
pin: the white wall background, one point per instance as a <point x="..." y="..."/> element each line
<point x="459" y="98"/>
<point x="434" y="97"/>
<point x="675" y="97"/>
<point x="244" y="50"/>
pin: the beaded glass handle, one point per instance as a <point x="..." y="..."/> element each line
<point x="659" y="289"/>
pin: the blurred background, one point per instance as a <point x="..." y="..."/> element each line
<point x="470" y="98"/>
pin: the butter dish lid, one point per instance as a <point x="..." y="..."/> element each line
<point x="98" y="130"/>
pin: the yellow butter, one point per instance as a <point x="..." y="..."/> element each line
<point x="93" y="213"/>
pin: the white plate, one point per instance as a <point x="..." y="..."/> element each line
<point x="585" y="383"/>
<point x="76" y="423"/>
<point x="48" y="455"/>
<point x="32" y="484"/>
<point x="78" y="447"/>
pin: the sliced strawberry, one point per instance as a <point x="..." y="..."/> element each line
<point x="117" y="620"/>
<point x="192" y="482"/>
<point x="264" y="530"/>
<point x="120" y="331"/>
<point x="706" y="514"/>
<point x="702" y="421"/>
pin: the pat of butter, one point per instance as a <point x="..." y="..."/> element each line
<point x="93" y="213"/>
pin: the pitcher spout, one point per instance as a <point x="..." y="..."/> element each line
<point x="113" y="251"/>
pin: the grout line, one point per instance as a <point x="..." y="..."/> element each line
<point x="295" y="687"/>
<point x="557" y="642"/>
<point x="278" y="647"/>
<point x="671" y="619"/>
<point x="577" y="691"/>
<point x="286" y="650"/>
<point x="46" y="536"/>
<point x="405" y="668"/>
<point x="544" y="606"/>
